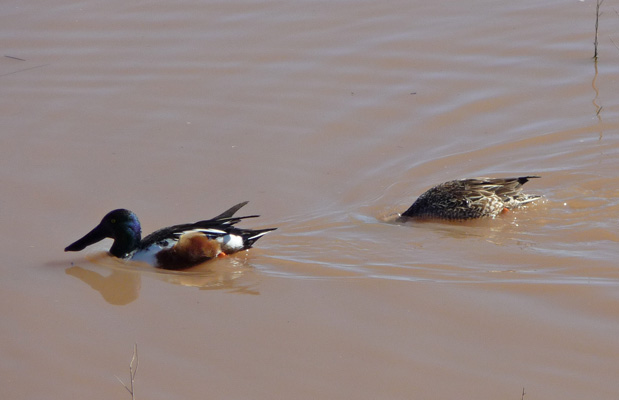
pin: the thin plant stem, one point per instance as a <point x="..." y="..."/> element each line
<point x="597" y="22"/>
<point x="133" y="370"/>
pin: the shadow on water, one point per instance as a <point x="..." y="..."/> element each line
<point x="121" y="282"/>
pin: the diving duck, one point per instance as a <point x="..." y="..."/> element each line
<point x="175" y="247"/>
<point x="469" y="199"/>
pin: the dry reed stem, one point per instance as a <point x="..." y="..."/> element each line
<point x="133" y="370"/>
<point x="597" y="21"/>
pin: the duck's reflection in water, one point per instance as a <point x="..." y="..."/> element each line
<point x="122" y="284"/>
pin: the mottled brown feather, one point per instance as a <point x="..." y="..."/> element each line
<point x="470" y="198"/>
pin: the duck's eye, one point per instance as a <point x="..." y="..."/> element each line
<point x="113" y="220"/>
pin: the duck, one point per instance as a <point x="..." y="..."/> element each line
<point x="175" y="247"/>
<point x="466" y="199"/>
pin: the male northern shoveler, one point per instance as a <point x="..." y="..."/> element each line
<point x="174" y="247"/>
<point x="470" y="198"/>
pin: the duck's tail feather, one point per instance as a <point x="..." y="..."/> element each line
<point x="255" y="234"/>
<point x="526" y="198"/>
<point x="231" y="211"/>
<point x="524" y="179"/>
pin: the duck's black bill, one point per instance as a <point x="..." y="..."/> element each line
<point x="94" y="236"/>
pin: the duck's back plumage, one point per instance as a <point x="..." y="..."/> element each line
<point x="470" y="198"/>
<point x="219" y="234"/>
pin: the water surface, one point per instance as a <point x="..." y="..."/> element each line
<point x="328" y="117"/>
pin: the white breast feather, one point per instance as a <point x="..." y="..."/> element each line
<point x="231" y="243"/>
<point x="148" y="255"/>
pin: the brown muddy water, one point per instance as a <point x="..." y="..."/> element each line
<point x="328" y="116"/>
